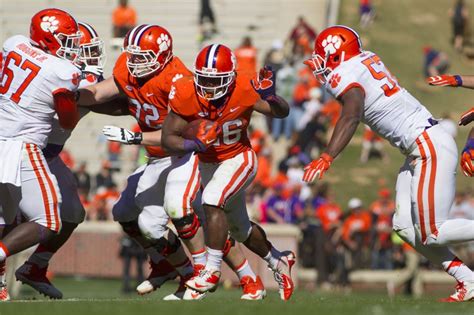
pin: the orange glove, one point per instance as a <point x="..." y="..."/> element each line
<point x="467" y="158"/>
<point x="445" y="80"/>
<point x="467" y="117"/>
<point x="208" y="133"/>
<point x="317" y="168"/>
<point x="265" y="83"/>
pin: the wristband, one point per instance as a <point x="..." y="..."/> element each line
<point x="193" y="145"/>
<point x="469" y="144"/>
<point x="137" y="138"/>
<point x="458" y="79"/>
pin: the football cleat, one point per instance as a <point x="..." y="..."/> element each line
<point x="4" y="296"/>
<point x="206" y="280"/>
<point x="34" y="276"/>
<point x="282" y="275"/>
<point x="464" y="292"/>
<point x="160" y="273"/>
<point x="184" y="293"/>
<point x="252" y="289"/>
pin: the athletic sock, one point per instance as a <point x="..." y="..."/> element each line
<point x="4" y="252"/>
<point x="244" y="269"/>
<point x="214" y="258"/>
<point x="273" y="257"/>
<point x="41" y="256"/>
<point x="457" y="269"/>
<point x="200" y="257"/>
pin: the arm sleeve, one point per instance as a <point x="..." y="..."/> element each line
<point x="65" y="106"/>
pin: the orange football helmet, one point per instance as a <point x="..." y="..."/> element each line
<point x="92" y="56"/>
<point x="214" y="71"/>
<point x="333" y="46"/>
<point x="149" y="48"/>
<point x="56" y="32"/>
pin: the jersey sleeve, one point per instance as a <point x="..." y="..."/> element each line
<point x="341" y="81"/>
<point x="65" y="77"/>
<point x="180" y="97"/>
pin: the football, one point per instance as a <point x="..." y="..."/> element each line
<point x="192" y="128"/>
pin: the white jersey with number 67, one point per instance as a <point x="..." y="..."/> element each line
<point x="389" y="109"/>
<point x="29" y="78"/>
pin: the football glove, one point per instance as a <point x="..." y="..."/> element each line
<point x="122" y="135"/>
<point x="206" y="136"/>
<point x="317" y="168"/>
<point x="265" y="83"/>
<point x="467" y="158"/>
<point x="467" y="117"/>
<point x="445" y="80"/>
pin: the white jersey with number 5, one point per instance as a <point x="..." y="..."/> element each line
<point x="28" y="79"/>
<point x="389" y="109"/>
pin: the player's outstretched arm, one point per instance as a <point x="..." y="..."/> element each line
<point x="101" y="92"/>
<point x="466" y="81"/>
<point x="270" y="103"/>
<point x="346" y="126"/>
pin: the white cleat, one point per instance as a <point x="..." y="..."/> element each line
<point x="464" y="292"/>
<point x="207" y="280"/>
<point x="282" y="275"/>
<point x="160" y="273"/>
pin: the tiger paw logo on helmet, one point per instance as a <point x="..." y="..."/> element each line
<point x="331" y="44"/>
<point x="49" y="24"/>
<point x="164" y="42"/>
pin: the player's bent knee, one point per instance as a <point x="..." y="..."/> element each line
<point x="131" y="228"/>
<point x="187" y="226"/>
<point x="211" y="198"/>
<point x="168" y="244"/>
<point x="152" y="228"/>
<point x="240" y="234"/>
<point x="407" y="234"/>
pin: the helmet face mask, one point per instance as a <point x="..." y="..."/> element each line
<point x="93" y="55"/>
<point x="212" y="86"/>
<point x="141" y="63"/>
<point x="69" y="46"/>
<point x="321" y="71"/>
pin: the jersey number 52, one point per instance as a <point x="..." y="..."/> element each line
<point x="389" y="88"/>
<point x="9" y="75"/>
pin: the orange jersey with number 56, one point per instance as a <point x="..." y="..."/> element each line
<point x="148" y="101"/>
<point x="233" y="116"/>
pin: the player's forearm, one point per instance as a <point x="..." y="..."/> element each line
<point x="467" y="81"/>
<point x="343" y="133"/>
<point x="278" y="106"/>
<point x="175" y="145"/>
<point x="151" y="138"/>
<point x="98" y="93"/>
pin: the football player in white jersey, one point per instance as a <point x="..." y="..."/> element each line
<point x="466" y="81"/>
<point x="38" y="80"/>
<point x="426" y="182"/>
<point x="33" y="272"/>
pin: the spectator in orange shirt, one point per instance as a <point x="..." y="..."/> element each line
<point x="301" y="37"/>
<point x="372" y="145"/>
<point x="356" y="227"/>
<point x="103" y="203"/>
<point x="246" y="55"/>
<point x="124" y="18"/>
<point x="332" y="109"/>
<point x="382" y="211"/>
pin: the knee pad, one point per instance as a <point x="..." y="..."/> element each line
<point x="187" y="226"/>
<point x="167" y="246"/>
<point x="131" y="228"/>
<point x="229" y="243"/>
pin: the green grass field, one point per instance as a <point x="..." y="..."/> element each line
<point x="401" y="29"/>
<point x="102" y="297"/>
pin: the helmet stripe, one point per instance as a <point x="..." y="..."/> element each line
<point x="131" y="37"/>
<point x="91" y="30"/>
<point x="354" y="32"/>
<point x="140" y="33"/>
<point x="211" y="56"/>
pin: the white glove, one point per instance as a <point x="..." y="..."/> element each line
<point x="122" y="135"/>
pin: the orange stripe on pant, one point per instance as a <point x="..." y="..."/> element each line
<point x="431" y="187"/>
<point x="234" y="178"/>
<point x="419" y="198"/>
<point x="187" y="200"/>
<point x="44" y="193"/>
<point x="247" y="175"/>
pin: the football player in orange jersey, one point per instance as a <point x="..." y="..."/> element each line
<point x="466" y="81"/>
<point x="144" y="74"/>
<point x="227" y="162"/>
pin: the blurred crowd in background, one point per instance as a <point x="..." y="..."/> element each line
<point x="336" y="238"/>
